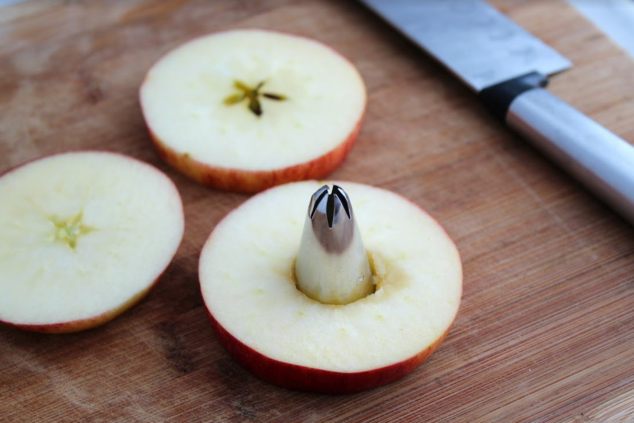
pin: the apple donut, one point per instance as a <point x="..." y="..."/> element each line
<point x="247" y="277"/>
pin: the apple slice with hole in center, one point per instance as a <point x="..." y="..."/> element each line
<point x="284" y="336"/>
<point x="245" y="110"/>
<point x="85" y="235"/>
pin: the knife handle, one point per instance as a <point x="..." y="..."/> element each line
<point x="600" y="160"/>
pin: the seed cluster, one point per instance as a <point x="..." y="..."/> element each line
<point x="252" y="96"/>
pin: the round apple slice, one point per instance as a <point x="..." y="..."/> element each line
<point x="85" y="235"/>
<point x="245" y="110"/>
<point x="248" y="274"/>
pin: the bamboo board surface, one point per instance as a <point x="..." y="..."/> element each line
<point x="546" y="327"/>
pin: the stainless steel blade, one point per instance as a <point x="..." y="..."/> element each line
<point x="476" y="42"/>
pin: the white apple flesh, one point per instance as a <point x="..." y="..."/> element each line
<point x="245" y="110"/>
<point x="85" y="235"/>
<point x="248" y="283"/>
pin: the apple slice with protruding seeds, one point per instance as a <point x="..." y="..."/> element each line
<point x="248" y="280"/>
<point x="245" y="110"/>
<point x="85" y="235"/>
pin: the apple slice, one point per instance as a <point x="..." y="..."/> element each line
<point x="248" y="282"/>
<point x="245" y="110"/>
<point x="85" y="235"/>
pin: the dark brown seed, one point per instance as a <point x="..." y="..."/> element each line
<point x="272" y="96"/>
<point x="254" y="106"/>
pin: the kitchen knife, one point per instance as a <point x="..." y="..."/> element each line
<point x="508" y="67"/>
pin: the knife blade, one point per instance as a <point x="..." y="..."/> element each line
<point x="508" y="68"/>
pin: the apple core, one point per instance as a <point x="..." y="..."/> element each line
<point x="69" y="230"/>
<point x="252" y="96"/>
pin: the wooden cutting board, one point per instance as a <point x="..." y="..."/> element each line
<point x="546" y="328"/>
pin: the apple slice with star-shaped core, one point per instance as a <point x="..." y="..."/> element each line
<point x="85" y="235"/>
<point x="245" y="110"/>
<point x="352" y="294"/>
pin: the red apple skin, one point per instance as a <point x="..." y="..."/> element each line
<point x="292" y="376"/>
<point x="85" y="324"/>
<point x="250" y="182"/>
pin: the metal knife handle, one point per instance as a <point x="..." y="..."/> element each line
<point x="600" y="160"/>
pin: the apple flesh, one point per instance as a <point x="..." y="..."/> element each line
<point x="246" y="110"/>
<point x="247" y="277"/>
<point x="85" y="236"/>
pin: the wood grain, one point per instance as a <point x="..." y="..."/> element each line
<point x="546" y="328"/>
